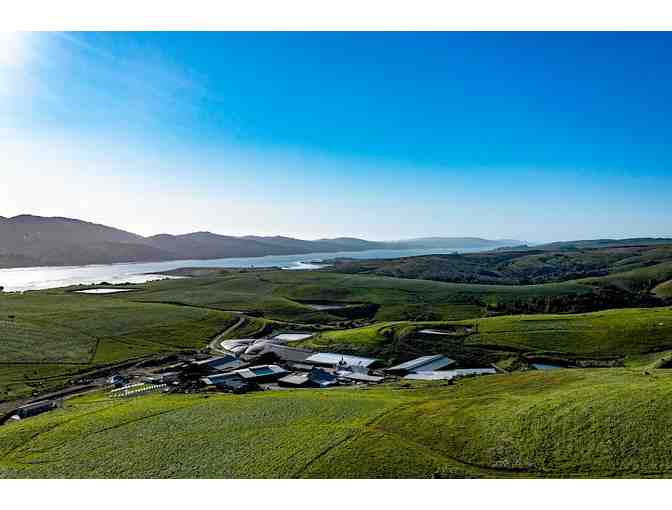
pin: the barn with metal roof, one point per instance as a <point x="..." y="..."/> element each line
<point x="262" y="373"/>
<point x="287" y="354"/>
<point x="422" y="364"/>
<point x="361" y="378"/>
<point x="447" y="375"/>
<point x="219" y="363"/>
<point x="316" y="378"/>
<point x="331" y="359"/>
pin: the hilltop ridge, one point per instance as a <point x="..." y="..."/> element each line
<point x="29" y="240"/>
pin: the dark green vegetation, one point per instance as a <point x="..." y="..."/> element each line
<point x="531" y="266"/>
<point x="612" y="337"/>
<point x="605" y="243"/>
<point x="613" y="277"/>
<point x="47" y="337"/>
<point x="282" y="295"/>
<point x="564" y="423"/>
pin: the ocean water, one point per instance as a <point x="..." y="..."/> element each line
<point x="36" y="278"/>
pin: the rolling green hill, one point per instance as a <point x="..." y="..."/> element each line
<point x="608" y="333"/>
<point x="72" y="332"/>
<point x="605" y="335"/>
<point x="560" y="423"/>
<point x="521" y="267"/>
<point x="664" y="290"/>
<point x="48" y="336"/>
<point x="283" y="295"/>
<point x="565" y="423"/>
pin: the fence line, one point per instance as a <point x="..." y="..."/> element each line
<point x="134" y="390"/>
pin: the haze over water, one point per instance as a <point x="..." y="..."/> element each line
<point x="37" y="278"/>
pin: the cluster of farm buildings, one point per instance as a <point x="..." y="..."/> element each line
<point x="249" y="364"/>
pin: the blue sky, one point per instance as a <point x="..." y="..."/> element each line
<point x="535" y="136"/>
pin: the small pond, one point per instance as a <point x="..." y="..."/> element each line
<point x="103" y="291"/>
<point x="545" y="366"/>
<point x="324" y="307"/>
<point x="291" y="337"/>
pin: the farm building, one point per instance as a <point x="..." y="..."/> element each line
<point x="117" y="380"/>
<point x="35" y="408"/>
<point x="261" y="373"/>
<point x="447" y="375"/>
<point x="166" y="378"/>
<point x="256" y="348"/>
<point x="330" y="359"/>
<point x="422" y="364"/>
<point x="232" y="383"/>
<point x="286" y="354"/>
<point x="217" y="364"/>
<point x="301" y="367"/>
<point x="237" y="346"/>
<point x="316" y="378"/>
<point x="359" y="377"/>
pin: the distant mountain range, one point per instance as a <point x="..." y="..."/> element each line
<point x="459" y="242"/>
<point x="28" y="240"/>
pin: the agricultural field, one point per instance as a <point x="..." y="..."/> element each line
<point x="543" y="264"/>
<point x="48" y="336"/>
<point x="562" y="423"/>
<point x="281" y="295"/>
<point x="285" y="295"/>
<point x="19" y="380"/>
<point x="26" y="341"/>
<point x="610" y="334"/>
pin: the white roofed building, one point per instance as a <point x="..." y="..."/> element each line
<point x="330" y="359"/>
<point x="422" y="364"/>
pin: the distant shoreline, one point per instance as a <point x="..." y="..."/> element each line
<point x="49" y="277"/>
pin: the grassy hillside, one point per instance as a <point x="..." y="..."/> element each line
<point x="28" y="240"/>
<point x="283" y="295"/>
<point x="273" y="434"/>
<point x="605" y="243"/>
<point x="576" y="423"/>
<point x="72" y="332"/>
<point x="45" y="334"/>
<point x="611" y="334"/>
<point x="565" y="423"/>
<point x="533" y="266"/>
<point x="75" y="331"/>
<point x="664" y="290"/>
<point x="643" y="279"/>
<point x="607" y="333"/>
